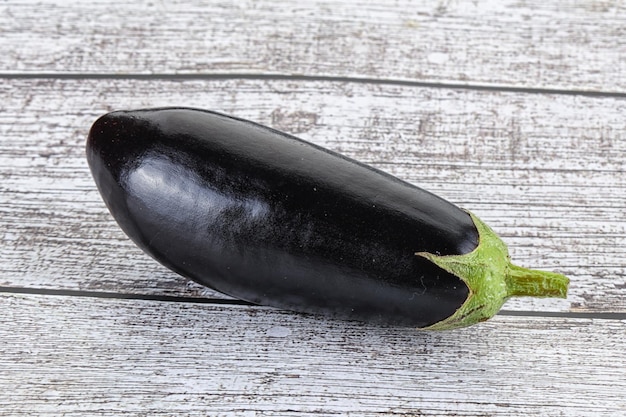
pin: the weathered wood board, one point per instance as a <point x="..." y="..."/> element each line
<point x="533" y="44"/>
<point x="88" y="356"/>
<point x="546" y="174"/>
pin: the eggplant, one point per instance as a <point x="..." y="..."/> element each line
<point x="271" y="219"/>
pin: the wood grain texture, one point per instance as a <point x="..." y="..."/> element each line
<point x="79" y="356"/>
<point x="574" y="44"/>
<point x="544" y="166"/>
<point x="546" y="171"/>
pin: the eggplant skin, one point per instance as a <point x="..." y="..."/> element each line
<point x="271" y="219"/>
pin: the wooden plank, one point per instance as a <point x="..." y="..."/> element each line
<point x="540" y="169"/>
<point x="81" y="356"/>
<point x="533" y="44"/>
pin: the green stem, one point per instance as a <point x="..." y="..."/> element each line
<point x="533" y="283"/>
<point x="492" y="279"/>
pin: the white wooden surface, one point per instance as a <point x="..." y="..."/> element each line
<point x="534" y="143"/>
<point x="113" y="357"/>
<point x="569" y="44"/>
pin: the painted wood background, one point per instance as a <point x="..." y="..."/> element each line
<point x="513" y="109"/>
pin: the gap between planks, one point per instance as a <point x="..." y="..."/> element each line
<point x="290" y="77"/>
<point x="235" y="302"/>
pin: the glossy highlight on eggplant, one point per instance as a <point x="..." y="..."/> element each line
<point x="271" y="219"/>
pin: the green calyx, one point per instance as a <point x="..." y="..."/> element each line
<point x="492" y="279"/>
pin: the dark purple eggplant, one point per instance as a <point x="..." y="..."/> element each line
<point x="271" y="219"/>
